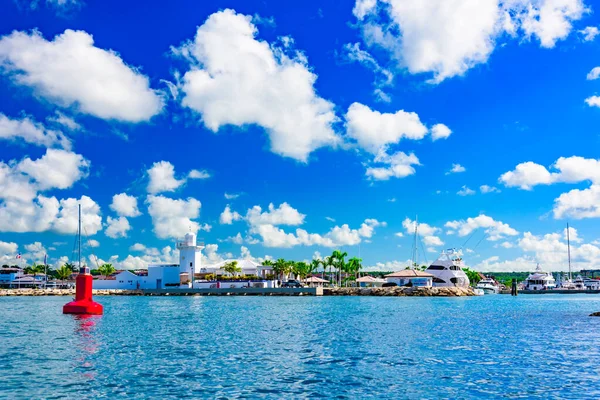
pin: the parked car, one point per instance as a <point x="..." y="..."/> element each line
<point x="293" y="283"/>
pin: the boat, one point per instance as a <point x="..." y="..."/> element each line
<point x="488" y="285"/>
<point x="447" y="270"/>
<point x="540" y="280"/>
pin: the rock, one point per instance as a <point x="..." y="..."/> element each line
<point x="595" y="314"/>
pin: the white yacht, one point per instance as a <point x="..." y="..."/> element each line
<point x="447" y="270"/>
<point x="489" y="286"/>
<point x="540" y="280"/>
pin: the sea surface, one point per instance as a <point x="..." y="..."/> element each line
<point x="532" y="346"/>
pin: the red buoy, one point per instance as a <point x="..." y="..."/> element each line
<point x="83" y="303"/>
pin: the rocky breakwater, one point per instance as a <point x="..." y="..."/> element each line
<point x="595" y="314"/>
<point x="67" y="292"/>
<point x="400" y="291"/>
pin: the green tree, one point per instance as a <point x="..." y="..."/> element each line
<point x="268" y="263"/>
<point x="34" y="270"/>
<point x="339" y="262"/>
<point x="302" y="269"/>
<point x="354" y="266"/>
<point x="473" y="276"/>
<point x="107" y="269"/>
<point x="63" y="273"/>
<point x="71" y="266"/>
<point x="231" y="268"/>
<point x="328" y="262"/>
<point x="279" y="268"/>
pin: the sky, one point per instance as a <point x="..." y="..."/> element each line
<point x="290" y="129"/>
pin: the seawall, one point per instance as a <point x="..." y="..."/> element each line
<point x="399" y="291"/>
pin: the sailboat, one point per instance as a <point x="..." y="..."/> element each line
<point x="567" y="281"/>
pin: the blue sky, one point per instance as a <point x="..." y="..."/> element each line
<point x="349" y="118"/>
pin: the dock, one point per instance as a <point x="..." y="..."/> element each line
<point x="554" y="291"/>
<point x="315" y="291"/>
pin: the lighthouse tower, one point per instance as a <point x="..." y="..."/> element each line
<point x="190" y="255"/>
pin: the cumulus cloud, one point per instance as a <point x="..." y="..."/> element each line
<point x="227" y="216"/>
<point x="71" y="72"/>
<point x="173" y="218"/>
<point x="488" y="189"/>
<point x="24" y="209"/>
<point x="29" y="131"/>
<point x="465" y="191"/>
<point x="593" y="101"/>
<point x="494" y="230"/>
<point x="373" y="130"/>
<point x="125" y="205"/>
<point x="426" y="231"/>
<point x="589" y="33"/>
<point x="162" y="177"/>
<point x="431" y="36"/>
<point x="456" y="168"/>
<point x="284" y="214"/>
<point x="117" y="227"/>
<point x="8" y="248"/>
<point x="578" y="203"/>
<point x="593" y="74"/>
<point x="440" y="131"/>
<point x="236" y="79"/>
<point x="397" y="165"/>
<point x="526" y="175"/>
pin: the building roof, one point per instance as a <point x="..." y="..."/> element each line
<point x="409" y="273"/>
<point x="369" y="279"/>
<point x="243" y="264"/>
<point x="315" y="279"/>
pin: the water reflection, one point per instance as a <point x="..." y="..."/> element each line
<point x="87" y="344"/>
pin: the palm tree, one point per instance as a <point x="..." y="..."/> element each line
<point x="231" y="268"/>
<point x="279" y="267"/>
<point x="64" y="272"/>
<point x="302" y="269"/>
<point x="338" y="256"/>
<point x="106" y="270"/>
<point x="354" y="266"/>
<point x="71" y="266"/>
<point x="314" y="265"/>
<point x="34" y="269"/>
<point x="328" y="262"/>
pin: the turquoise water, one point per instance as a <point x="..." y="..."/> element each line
<point x="542" y="346"/>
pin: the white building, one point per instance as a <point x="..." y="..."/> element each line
<point x="410" y="277"/>
<point x="158" y="277"/>
<point x="190" y="255"/>
<point x="248" y="267"/>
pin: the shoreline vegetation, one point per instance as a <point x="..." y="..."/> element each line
<point x="396" y="291"/>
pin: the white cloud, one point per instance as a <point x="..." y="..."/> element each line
<point x="495" y="230"/>
<point x="589" y="33"/>
<point x="125" y="205"/>
<point x="507" y="245"/>
<point x="578" y="203"/>
<point x="593" y="101"/>
<point x="227" y="216"/>
<point x="92" y="243"/>
<point x="71" y="72"/>
<point x="67" y="220"/>
<point x="373" y="130"/>
<point x="383" y="77"/>
<point x="488" y="189"/>
<point x="162" y="177"/>
<point x="330" y="219"/>
<point x="196" y="174"/>
<point x="231" y="196"/>
<point x="282" y="215"/>
<point x="8" y="248"/>
<point x="465" y="191"/>
<point x="235" y="79"/>
<point x="431" y="36"/>
<point x="137" y="247"/>
<point x="65" y="121"/>
<point x="31" y="132"/>
<point x="398" y="165"/>
<point x="456" y="168"/>
<point x="593" y="74"/>
<point x="526" y="175"/>
<point x="399" y="234"/>
<point x="117" y="227"/>
<point x="173" y="218"/>
<point x="440" y="131"/>
<point x="426" y="231"/>
<point x="57" y="169"/>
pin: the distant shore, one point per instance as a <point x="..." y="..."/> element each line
<point x="343" y="291"/>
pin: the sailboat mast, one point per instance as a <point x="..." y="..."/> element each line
<point x="414" y="261"/>
<point x="79" y="238"/>
<point x="569" y="251"/>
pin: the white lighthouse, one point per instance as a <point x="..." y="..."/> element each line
<point x="190" y="255"/>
